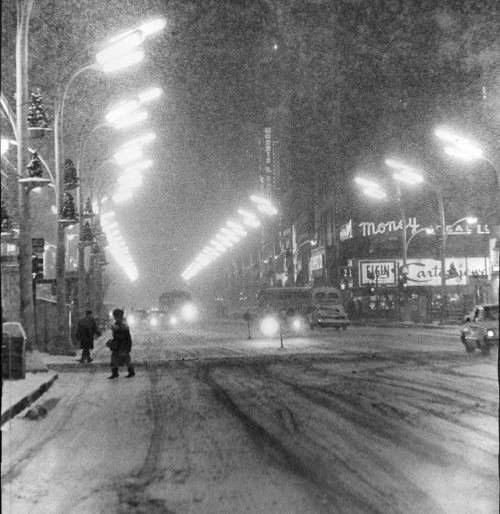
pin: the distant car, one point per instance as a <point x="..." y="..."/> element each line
<point x="480" y="329"/>
<point x="137" y="318"/>
<point x="157" y="318"/>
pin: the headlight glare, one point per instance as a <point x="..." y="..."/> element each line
<point x="189" y="312"/>
<point x="269" y="326"/>
<point x="490" y="333"/>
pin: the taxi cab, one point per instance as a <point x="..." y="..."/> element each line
<point x="480" y="329"/>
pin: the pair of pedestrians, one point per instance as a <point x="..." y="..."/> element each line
<point x="120" y="344"/>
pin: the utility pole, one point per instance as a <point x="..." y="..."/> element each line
<point x="27" y="311"/>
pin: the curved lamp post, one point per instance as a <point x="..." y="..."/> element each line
<point x="296" y="254"/>
<point x="409" y="175"/>
<point x="62" y="344"/>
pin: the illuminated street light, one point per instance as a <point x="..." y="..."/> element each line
<point x="237" y="228"/>
<point x="366" y="183"/>
<point x="149" y="95"/>
<point x="131" y="180"/>
<point x="230" y="235"/>
<point x="143" y="165"/>
<point x="136" y="117"/>
<point x="129" y="154"/>
<point x="219" y="246"/>
<point x="404" y="173"/>
<point x="122" y="62"/>
<point x="465" y="149"/>
<point x="371" y="189"/>
<point x="122" y="195"/>
<point x="122" y="110"/>
<point x="128" y="107"/>
<point x="246" y="214"/>
<point x="224" y="241"/>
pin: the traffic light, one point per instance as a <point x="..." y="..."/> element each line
<point x="403" y="282"/>
<point x="37" y="266"/>
<point x="370" y="289"/>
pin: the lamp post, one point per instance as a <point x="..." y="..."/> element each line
<point x="295" y="255"/>
<point x="116" y="56"/>
<point x="374" y="190"/>
<point x="427" y="230"/>
<point x="27" y="310"/>
<point x="409" y="175"/>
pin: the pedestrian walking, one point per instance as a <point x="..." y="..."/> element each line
<point x="120" y="345"/>
<point x="86" y="329"/>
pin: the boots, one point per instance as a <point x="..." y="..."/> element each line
<point x="114" y="373"/>
<point x="131" y="372"/>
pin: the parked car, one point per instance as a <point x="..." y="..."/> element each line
<point x="327" y="309"/>
<point x="480" y="329"/>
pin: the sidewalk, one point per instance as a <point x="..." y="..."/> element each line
<point x="19" y="394"/>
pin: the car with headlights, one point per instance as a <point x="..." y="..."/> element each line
<point x="480" y="330"/>
<point x="327" y="309"/>
<point x="183" y="314"/>
<point x="137" y="318"/>
<point x="157" y="318"/>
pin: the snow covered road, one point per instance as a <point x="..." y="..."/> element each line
<point x="370" y="420"/>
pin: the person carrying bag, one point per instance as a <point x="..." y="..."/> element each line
<point x="120" y="345"/>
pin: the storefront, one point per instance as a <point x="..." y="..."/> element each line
<point x="374" y="283"/>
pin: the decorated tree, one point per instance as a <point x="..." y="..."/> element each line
<point x="68" y="208"/>
<point x="6" y="226"/>
<point x="34" y="167"/>
<point x="87" y="232"/>
<point x="37" y="117"/>
<point x="70" y="175"/>
<point x="88" y="206"/>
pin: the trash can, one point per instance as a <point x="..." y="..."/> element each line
<point x="13" y="350"/>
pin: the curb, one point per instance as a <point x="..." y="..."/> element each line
<point x="15" y="409"/>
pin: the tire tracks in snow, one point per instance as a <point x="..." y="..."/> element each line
<point x="318" y="451"/>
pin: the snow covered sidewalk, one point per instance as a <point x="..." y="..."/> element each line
<point x="19" y="394"/>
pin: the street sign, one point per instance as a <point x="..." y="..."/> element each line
<point x="38" y="244"/>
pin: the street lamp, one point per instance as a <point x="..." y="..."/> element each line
<point x="371" y="188"/>
<point x="465" y="149"/>
<point x="427" y="230"/>
<point x="409" y="175"/>
<point x="114" y="54"/>
<point x="296" y="254"/>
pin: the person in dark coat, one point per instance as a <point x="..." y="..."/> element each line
<point x="122" y="345"/>
<point x="85" y="331"/>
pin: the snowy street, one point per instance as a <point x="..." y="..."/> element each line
<point x="371" y="420"/>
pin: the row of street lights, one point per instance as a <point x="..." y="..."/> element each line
<point x="404" y="173"/>
<point x="232" y="232"/>
<point x="121" y="51"/>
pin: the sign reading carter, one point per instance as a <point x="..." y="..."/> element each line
<point x="423" y="272"/>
